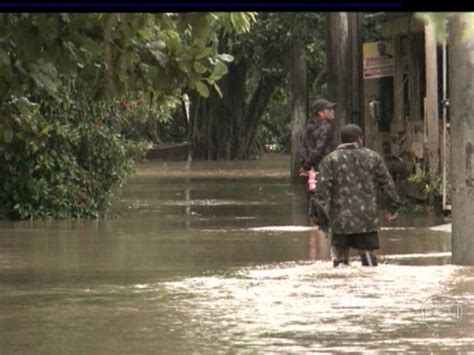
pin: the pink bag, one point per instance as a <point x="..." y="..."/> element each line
<point x="311" y="183"/>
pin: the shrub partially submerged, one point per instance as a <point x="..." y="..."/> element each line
<point x="65" y="160"/>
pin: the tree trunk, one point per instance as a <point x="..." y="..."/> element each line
<point x="225" y="128"/>
<point x="461" y="83"/>
<point x="338" y="68"/>
<point x="253" y="116"/>
<point x="297" y="100"/>
<point x="344" y="67"/>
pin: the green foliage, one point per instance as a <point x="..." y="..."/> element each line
<point x="79" y="92"/>
<point x="266" y="47"/>
<point x="275" y="129"/>
<point x="439" y="20"/>
<point x="269" y="41"/>
<point x="430" y="183"/>
<point x="413" y="208"/>
<point x="112" y="54"/>
<point x="371" y="32"/>
<point x="67" y="160"/>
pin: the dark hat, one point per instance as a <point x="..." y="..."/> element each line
<point x="322" y="104"/>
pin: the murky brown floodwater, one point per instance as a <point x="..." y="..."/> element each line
<point x="220" y="259"/>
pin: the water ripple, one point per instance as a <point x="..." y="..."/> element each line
<point x="279" y="307"/>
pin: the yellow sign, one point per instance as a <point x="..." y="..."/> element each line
<point x="378" y="59"/>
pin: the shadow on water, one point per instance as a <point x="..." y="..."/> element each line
<point x="220" y="257"/>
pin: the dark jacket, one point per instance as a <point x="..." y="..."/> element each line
<point x="315" y="144"/>
<point x="350" y="183"/>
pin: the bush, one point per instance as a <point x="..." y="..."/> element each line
<point x="65" y="160"/>
<point x="430" y="183"/>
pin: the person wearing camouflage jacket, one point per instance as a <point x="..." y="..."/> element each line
<point x="352" y="180"/>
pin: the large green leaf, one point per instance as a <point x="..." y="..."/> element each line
<point x="220" y="69"/>
<point x="186" y="67"/>
<point x="202" y="89"/>
<point x="174" y="43"/>
<point x="199" y="68"/>
<point x="206" y="52"/>
<point x="200" y="27"/>
<point x="225" y="57"/>
<point x="217" y="88"/>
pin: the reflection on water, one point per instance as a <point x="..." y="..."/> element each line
<point x="219" y="257"/>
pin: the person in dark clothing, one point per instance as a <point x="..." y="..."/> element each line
<point x="352" y="181"/>
<point x="317" y="140"/>
<point x="315" y="144"/>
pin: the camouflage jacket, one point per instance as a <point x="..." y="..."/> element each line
<point x="352" y="180"/>
<point x="315" y="144"/>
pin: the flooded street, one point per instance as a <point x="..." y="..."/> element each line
<point x="220" y="258"/>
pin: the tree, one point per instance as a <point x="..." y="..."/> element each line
<point x="255" y="92"/>
<point x="225" y="127"/>
<point x="76" y="88"/>
<point x="344" y="72"/>
<point x="297" y="100"/>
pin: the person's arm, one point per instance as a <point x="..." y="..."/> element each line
<point x="315" y="154"/>
<point x="324" y="183"/>
<point x="302" y="155"/>
<point x="390" y="200"/>
<point x="321" y="199"/>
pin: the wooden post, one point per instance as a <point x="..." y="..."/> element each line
<point x="356" y="87"/>
<point x="461" y="84"/>
<point x="444" y="151"/>
<point x="398" y="84"/>
<point x="399" y="80"/>
<point x="414" y="57"/>
<point x="339" y="68"/>
<point x="432" y="101"/>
